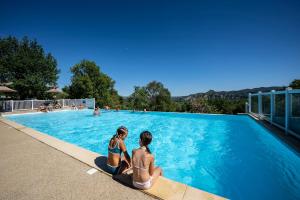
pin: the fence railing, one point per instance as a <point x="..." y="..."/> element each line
<point x="13" y="105"/>
<point x="280" y="108"/>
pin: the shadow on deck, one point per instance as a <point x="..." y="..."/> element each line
<point x="124" y="179"/>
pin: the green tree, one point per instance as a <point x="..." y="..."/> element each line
<point x="153" y="96"/>
<point x="159" y="96"/>
<point x="89" y="82"/>
<point x="26" y="64"/>
<point x="295" y="84"/>
<point x="139" y="98"/>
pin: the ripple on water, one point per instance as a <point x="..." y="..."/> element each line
<point x="228" y="155"/>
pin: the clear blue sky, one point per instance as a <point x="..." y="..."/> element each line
<point x="190" y="46"/>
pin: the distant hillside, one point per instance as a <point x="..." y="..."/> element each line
<point x="232" y="95"/>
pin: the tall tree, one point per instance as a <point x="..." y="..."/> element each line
<point x="139" y="98"/>
<point x="26" y="64"/>
<point x="159" y="96"/>
<point x="88" y="81"/>
<point x="153" y="96"/>
<point x="295" y="84"/>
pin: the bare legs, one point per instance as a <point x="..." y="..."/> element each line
<point x="157" y="172"/>
<point x="124" y="166"/>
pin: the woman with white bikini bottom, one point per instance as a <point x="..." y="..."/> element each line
<point x="144" y="172"/>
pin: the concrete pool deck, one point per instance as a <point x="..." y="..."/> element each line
<point x="30" y="169"/>
<point x="33" y="170"/>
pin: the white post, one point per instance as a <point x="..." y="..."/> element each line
<point x="249" y="102"/>
<point x="12" y="105"/>
<point x="291" y="104"/>
<point x="272" y="99"/>
<point x="63" y="103"/>
<point x="287" y="112"/>
<point x="32" y="104"/>
<point x="94" y="103"/>
<point x="259" y="104"/>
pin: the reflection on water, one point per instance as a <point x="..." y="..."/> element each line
<point x="228" y="155"/>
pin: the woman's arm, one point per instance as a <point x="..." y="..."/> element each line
<point x="151" y="165"/>
<point x="124" y="150"/>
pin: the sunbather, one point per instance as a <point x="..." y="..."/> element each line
<point x="57" y="106"/>
<point x="144" y="172"/>
<point x="116" y="146"/>
<point x="74" y="107"/>
<point x="43" y="109"/>
<point x="80" y="106"/>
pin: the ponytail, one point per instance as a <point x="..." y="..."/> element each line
<point x="146" y="138"/>
<point x="115" y="136"/>
<point x="147" y="148"/>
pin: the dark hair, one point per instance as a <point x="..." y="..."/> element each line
<point x="146" y="138"/>
<point x="121" y="130"/>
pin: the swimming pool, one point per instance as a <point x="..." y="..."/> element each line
<point x="228" y="155"/>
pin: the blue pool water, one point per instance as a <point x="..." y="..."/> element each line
<point x="228" y="155"/>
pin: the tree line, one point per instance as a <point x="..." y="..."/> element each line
<point x="27" y="66"/>
<point x="32" y="72"/>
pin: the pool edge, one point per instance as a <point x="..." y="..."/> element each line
<point x="164" y="188"/>
<point x="292" y="142"/>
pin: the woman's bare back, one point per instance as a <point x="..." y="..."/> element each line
<point x="141" y="161"/>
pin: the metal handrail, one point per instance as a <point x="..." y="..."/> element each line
<point x="287" y="107"/>
<point x="12" y="105"/>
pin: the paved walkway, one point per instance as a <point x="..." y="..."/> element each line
<point x="30" y="169"/>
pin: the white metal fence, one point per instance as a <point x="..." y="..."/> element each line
<point x="280" y="108"/>
<point x="12" y="105"/>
